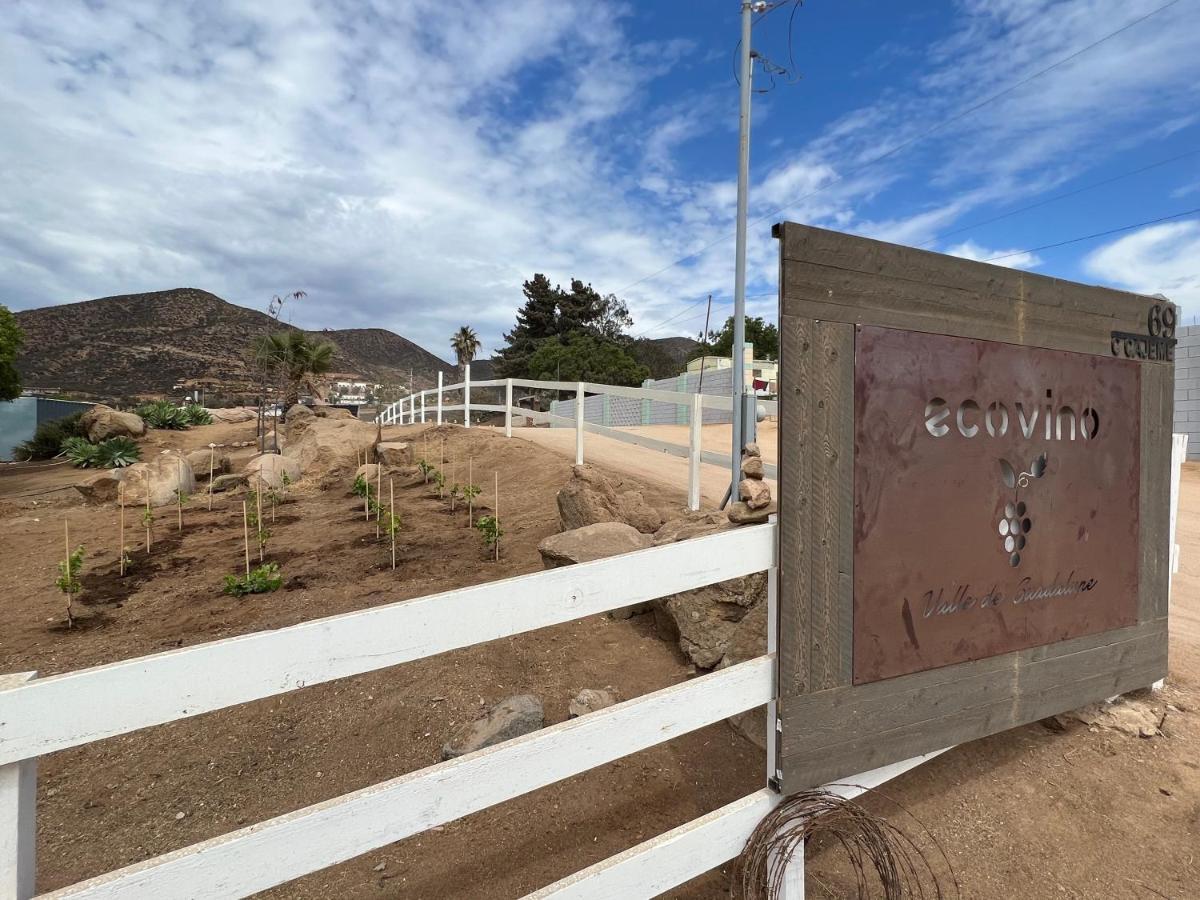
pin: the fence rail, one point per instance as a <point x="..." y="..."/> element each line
<point x="432" y="404"/>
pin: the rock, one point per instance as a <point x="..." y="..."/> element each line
<point x="102" y="422"/>
<point x="1128" y="714"/>
<point x="296" y="412"/>
<point x="691" y="524"/>
<point x="369" y="471"/>
<point x="394" y="453"/>
<point x="741" y="514"/>
<point x="756" y="494"/>
<point x="506" y="720"/>
<point x="589" y="498"/>
<point x="752" y="467"/>
<point x="102" y="486"/>
<point x="591" y="542"/>
<point x="748" y="641"/>
<point x="331" y="412"/>
<point x="270" y="469"/>
<point x="751" y="449"/>
<point x="328" y="448"/>
<point x="160" y="477"/>
<point x="233" y="415"/>
<point x="229" y="482"/>
<point x="199" y="461"/>
<point x="704" y="621"/>
<point x="635" y="511"/>
<point x="589" y="700"/>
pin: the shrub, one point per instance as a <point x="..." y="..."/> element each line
<point x="263" y="580"/>
<point x="47" y="440"/>
<point x="361" y="488"/>
<point x="117" y="453"/>
<point x="490" y="529"/>
<point x="162" y="414"/>
<point x="195" y="414"/>
<point x="80" y="452"/>
<point x="68" y="579"/>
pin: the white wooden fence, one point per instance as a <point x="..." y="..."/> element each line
<point x="41" y="716"/>
<point x="430" y="406"/>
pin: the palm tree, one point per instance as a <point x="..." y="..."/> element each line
<point x="295" y="358"/>
<point x="465" y="343"/>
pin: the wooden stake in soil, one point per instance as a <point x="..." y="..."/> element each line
<point x="442" y="469"/>
<point x="496" y="514"/>
<point x="179" y="496"/>
<point x="378" y="495"/>
<point x="149" y="515"/>
<point x="391" y="518"/>
<point x="258" y="511"/>
<point x="246" y="534"/>
<point x="67" y="544"/>
<point x="121" y="542"/>
<point x="470" y="493"/>
<point x="212" y="458"/>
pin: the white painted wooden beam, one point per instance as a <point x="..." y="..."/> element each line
<point x="579" y="423"/>
<point x="508" y="407"/>
<point x="96" y="703"/>
<point x="280" y="849"/>
<point x="18" y="818"/>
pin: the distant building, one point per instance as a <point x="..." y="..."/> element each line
<point x="350" y="388"/>
<point x="762" y="375"/>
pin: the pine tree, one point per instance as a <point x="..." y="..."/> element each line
<point x="537" y="320"/>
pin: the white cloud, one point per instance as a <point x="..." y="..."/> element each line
<point x="1014" y="259"/>
<point x="1160" y="259"/>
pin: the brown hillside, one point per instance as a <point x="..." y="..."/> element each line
<point x="140" y="345"/>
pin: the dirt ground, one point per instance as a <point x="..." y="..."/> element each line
<point x="1032" y="813"/>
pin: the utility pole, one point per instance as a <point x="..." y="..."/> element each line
<point x="743" y="419"/>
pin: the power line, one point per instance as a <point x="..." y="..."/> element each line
<point x="1080" y="190"/>
<point x="918" y="137"/>
<point x="1098" y="234"/>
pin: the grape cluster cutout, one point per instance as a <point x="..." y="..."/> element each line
<point x="1015" y="523"/>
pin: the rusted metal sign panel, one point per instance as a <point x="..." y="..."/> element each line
<point x="996" y="498"/>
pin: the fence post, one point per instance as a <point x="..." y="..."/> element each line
<point x="422" y="407"/>
<point x="467" y="396"/>
<point x="508" y="407"/>
<point x="579" y="424"/>
<point x="439" y="403"/>
<point x="694" y="447"/>
<point x="18" y="818"/>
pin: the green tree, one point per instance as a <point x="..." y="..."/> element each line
<point x="536" y="320"/>
<point x="11" y="339"/>
<point x="295" y="358"/>
<point x="465" y="343"/>
<point x="585" y="357"/>
<point x="764" y="335"/>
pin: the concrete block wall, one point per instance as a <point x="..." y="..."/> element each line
<point x="1187" y="387"/>
<point x="618" y="411"/>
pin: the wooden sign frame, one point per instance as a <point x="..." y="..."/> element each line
<point x="830" y="283"/>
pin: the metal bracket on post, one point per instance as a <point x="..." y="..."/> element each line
<point x="579" y="424"/>
<point x="508" y="407"/>
<point x="439" y="403"/>
<point x="694" y="450"/>
<point x="18" y="817"/>
<point x="467" y="396"/>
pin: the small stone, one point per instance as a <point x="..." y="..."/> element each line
<point x="752" y="467"/>
<point x="380" y="867"/>
<point x="589" y="700"/>
<point x="751" y="449"/>
<point x="179" y="815"/>
<point x="742" y="514"/>
<point x="510" y="718"/>
<point x="757" y="494"/>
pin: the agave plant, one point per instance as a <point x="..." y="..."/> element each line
<point x="195" y="414"/>
<point x="81" y="452"/>
<point x="162" y="414"/>
<point x="117" y="453"/>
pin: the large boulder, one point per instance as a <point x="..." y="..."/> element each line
<point x="101" y="487"/>
<point x="749" y="640"/>
<point x="704" y="621"/>
<point x="102" y="422"/>
<point x="321" y="411"/>
<point x="269" y="468"/>
<point x="296" y="412"/>
<point x="506" y="720"/>
<point x="591" y="542"/>
<point x="233" y="415"/>
<point x="328" y="447"/>
<point x="394" y="453"/>
<point x="201" y="460"/>
<point x="229" y="482"/>
<point x="159" y="477"/>
<point x="589" y="498"/>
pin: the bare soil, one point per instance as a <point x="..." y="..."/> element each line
<point x="1034" y="812"/>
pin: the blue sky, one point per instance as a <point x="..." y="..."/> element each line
<point x="410" y="164"/>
